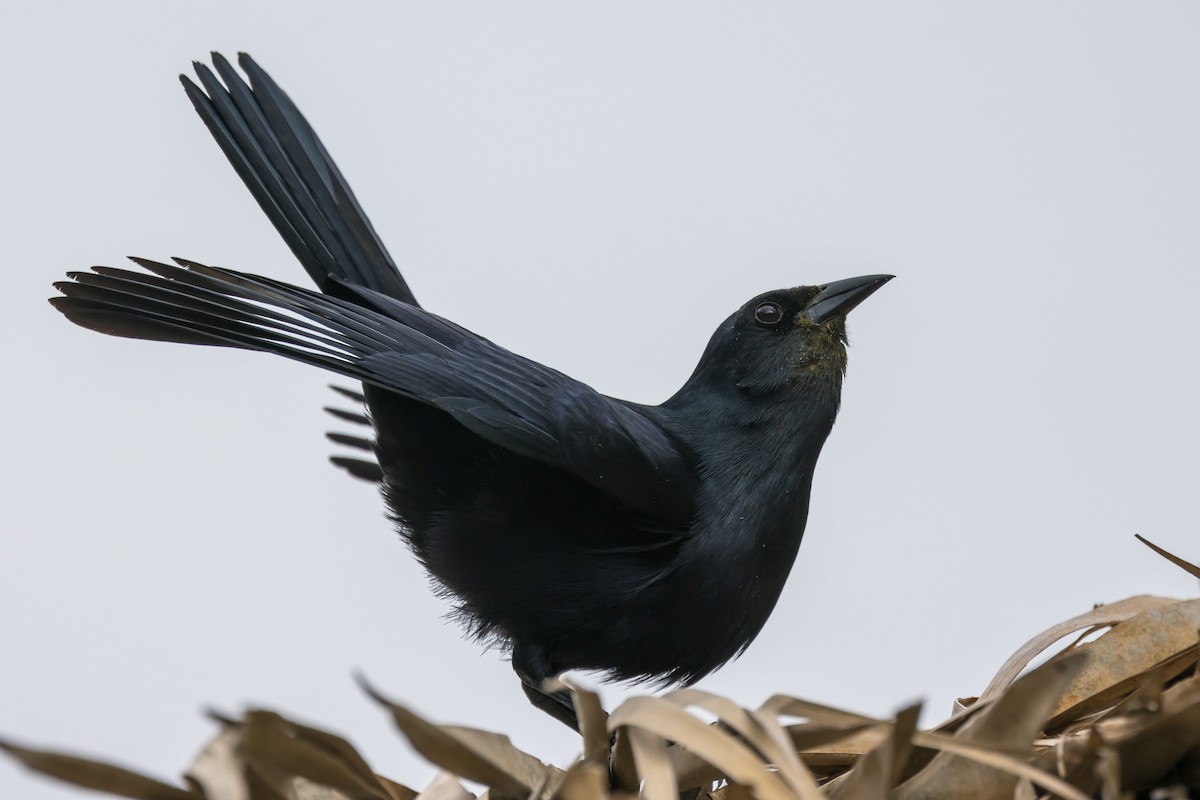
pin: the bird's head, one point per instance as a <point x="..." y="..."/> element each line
<point x="785" y="338"/>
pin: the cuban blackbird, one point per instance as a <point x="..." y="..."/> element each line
<point x="577" y="530"/>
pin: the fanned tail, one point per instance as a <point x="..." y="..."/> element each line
<point x="290" y="173"/>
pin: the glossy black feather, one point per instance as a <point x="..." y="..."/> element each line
<point x="367" y="471"/>
<point x="287" y="169"/>
<point x="348" y="416"/>
<point x="517" y="404"/>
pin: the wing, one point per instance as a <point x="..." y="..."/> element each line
<point x="510" y="401"/>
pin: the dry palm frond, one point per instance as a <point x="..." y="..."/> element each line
<point x="1113" y="715"/>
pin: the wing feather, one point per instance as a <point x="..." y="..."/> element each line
<point x="511" y="401"/>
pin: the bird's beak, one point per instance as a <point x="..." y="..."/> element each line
<point x="840" y="297"/>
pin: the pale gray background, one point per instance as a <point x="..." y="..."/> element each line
<point x="596" y="186"/>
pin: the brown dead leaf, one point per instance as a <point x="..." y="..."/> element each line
<point x="735" y="760"/>
<point x="621" y="766"/>
<point x="1024" y="791"/>
<point x="834" y="746"/>
<point x="1163" y="637"/>
<point x="995" y="759"/>
<point x="653" y="766"/>
<point x="782" y="705"/>
<point x="593" y="723"/>
<point x="762" y="731"/>
<point x="1150" y="743"/>
<point x="445" y="786"/>
<point x="261" y="788"/>
<point x="1187" y="566"/>
<point x="1101" y="616"/>
<point x="344" y="753"/>
<point x="274" y="747"/>
<point x="732" y="791"/>
<point x="398" y="791"/>
<point x="1073" y="757"/>
<point x="878" y="772"/>
<point x="789" y="763"/>
<point x="277" y="785"/>
<point x="585" y="780"/>
<point x="1130" y="721"/>
<point x="217" y="769"/>
<point x="978" y="761"/>
<point x="96" y="775"/>
<point x="822" y="751"/>
<point x="476" y="755"/>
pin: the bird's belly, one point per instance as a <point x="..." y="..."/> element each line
<point x="531" y="555"/>
<point x="648" y="609"/>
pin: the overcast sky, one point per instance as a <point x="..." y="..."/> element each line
<point x="596" y="186"/>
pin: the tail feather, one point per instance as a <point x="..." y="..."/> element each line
<point x="124" y="303"/>
<point x="356" y="467"/>
<point x="349" y="394"/>
<point x="290" y="173"/>
<point x="346" y="440"/>
<point x="348" y="416"/>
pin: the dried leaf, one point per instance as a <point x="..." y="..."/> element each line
<point x="398" y="791"/>
<point x="218" y="770"/>
<point x="269" y="742"/>
<point x="1072" y="757"/>
<point x="814" y="747"/>
<point x="621" y="766"/>
<point x="754" y="728"/>
<point x="1007" y="726"/>
<point x="96" y="775"/>
<point x="480" y="756"/>
<point x="585" y="780"/>
<point x="1146" y="696"/>
<point x="1100" y="616"/>
<point x="782" y="705"/>
<point x="834" y="745"/>
<point x="1108" y="770"/>
<point x="1151" y="743"/>
<point x="691" y="771"/>
<point x="878" y="772"/>
<point x="593" y="723"/>
<point x="986" y="756"/>
<point x="1124" y="732"/>
<point x="343" y="751"/>
<point x="1187" y="771"/>
<point x="653" y="766"/>
<point x="294" y="787"/>
<point x="1159" y="637"/>
<point x="732" y="791"/>
<point x="1024" y="790"/>
<point x="260" y="788"/>
<point x="445" y="786"/>
<point x="1187" y="566"/>
<point x="735" y="760"/>
<point x="789" y="764"/>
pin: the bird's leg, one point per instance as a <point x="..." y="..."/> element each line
<point x="532" y="665"/>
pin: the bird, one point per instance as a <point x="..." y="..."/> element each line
<point x="575" y="531"/>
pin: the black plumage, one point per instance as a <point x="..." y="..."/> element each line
<point x="582" y="531"/>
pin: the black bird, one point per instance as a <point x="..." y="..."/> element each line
<point x="577" y="530"/>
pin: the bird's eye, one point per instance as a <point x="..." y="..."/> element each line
<point x="768" y="313"/>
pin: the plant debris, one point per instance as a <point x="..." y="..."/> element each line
<point x="1113" y="714"/>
